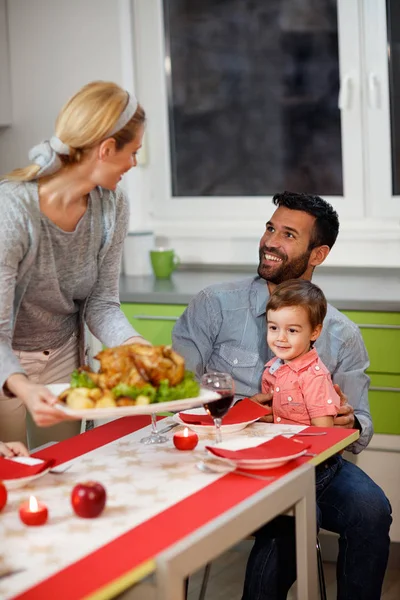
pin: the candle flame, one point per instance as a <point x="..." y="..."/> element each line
<point x="33" y="505"/>
<point x="186" y="432"/>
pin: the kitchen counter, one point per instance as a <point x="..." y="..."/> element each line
<point x="366" y="289"/>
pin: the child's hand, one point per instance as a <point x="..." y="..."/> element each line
<point x="265" y="400"/>
<point x="11" y="449"/>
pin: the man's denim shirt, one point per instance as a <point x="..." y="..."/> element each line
<point x="224" y="329"/>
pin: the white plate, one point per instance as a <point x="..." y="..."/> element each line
<point x="128" y="411"/>
<point x="256" y="464"/>
<point x="210" y="428"/>
<point x="13" y="484"/>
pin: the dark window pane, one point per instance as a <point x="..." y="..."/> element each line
<point x="253" y="94"/>
<point x="393" y="16"/>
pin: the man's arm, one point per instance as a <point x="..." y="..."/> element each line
<point x="353" y="382"/>
<point x="194" y="333"/>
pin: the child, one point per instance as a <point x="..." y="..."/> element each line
<point x="303" y="391"/>
<point x="10" y="449"/>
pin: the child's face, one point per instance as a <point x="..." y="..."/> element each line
<point x="289" y="332"/>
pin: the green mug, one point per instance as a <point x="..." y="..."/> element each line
<point x="164" y="261"/>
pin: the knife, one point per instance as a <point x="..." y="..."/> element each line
<point x="168" y="428"/>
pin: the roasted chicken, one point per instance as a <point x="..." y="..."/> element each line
<point x="135" y="365"/>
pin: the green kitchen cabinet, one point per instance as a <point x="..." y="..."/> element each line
<point x="381" y="334"/>
<point x="154" y="321"/>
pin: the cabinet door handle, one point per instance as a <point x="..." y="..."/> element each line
<point x="375" y="326"/>
<point x="373" y="388"/>
<point x="154" y="318"/>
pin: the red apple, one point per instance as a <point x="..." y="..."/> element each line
<point x="88" y="499"/>
<point x="3" y="495"/>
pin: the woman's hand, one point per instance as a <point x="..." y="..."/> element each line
<point x="38" y="400"/>
<point x="40" y="403"/>
<point x="138" y="339"/>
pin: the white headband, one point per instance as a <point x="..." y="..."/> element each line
<point x="46" y="154"/>
<point x="126" y="114"/>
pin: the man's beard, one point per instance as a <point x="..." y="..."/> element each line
<point x="286" y="270"/>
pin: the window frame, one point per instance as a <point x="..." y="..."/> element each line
<point x="367" y="209"/>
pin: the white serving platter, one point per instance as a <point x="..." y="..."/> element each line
<point x="129" y="411"/>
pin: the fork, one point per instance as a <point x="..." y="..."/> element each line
<point x="60" y="469"/>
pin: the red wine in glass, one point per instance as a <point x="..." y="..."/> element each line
<point x="218" y="408"/>
<point x="223" y="384"/>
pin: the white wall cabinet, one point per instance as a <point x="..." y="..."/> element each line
<point x="5" y="87"/>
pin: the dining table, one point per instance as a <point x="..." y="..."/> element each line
<point x="163" y="516"/>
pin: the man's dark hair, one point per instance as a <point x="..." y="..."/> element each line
<point x="299" y="292"/>
<point x="326" y="227"/>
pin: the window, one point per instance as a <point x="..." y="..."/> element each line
<point x="393" y="24"/>
<point x="249" y="98"/>
<point x="253" y="97"/>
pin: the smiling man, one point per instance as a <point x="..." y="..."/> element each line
<point x="224" y="329"/>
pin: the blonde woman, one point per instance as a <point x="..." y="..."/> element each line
<point x="64" y="220"/>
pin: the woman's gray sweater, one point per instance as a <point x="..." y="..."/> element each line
<point x="19" y="243"/>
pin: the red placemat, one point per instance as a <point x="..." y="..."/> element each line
<point x="278" y="447"/>
<point x="12" y="469"/>
<point x="242" y="412"/>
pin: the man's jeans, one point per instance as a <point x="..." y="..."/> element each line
<point x="348" y="503"/>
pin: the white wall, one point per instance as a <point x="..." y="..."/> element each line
<point x="55" y="47"/>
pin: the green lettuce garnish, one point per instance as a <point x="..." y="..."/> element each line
<point x="82" y="379"/>
<point x="187" y="388"/>
<point x="131" y="391"/>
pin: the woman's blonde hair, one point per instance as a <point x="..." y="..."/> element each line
<point x="85" y="120"/>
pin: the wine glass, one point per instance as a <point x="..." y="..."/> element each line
<point x="223" y="384"/>
<point x="154" y="437"/>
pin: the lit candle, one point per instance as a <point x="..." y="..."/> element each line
<point x="33" y="512"/>
<point x="185" y="440"/>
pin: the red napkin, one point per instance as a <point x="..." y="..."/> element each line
<point x="11" y="469"/>
<point x="278" y="447"/>
<point x="241" y="412"/>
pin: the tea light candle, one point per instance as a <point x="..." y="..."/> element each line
<point x="33" y="512"/>
<point x="185" y="440"/>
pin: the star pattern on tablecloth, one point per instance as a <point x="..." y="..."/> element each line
<point x="170" y="466"/>
<point x="135" y="462"/>
<point x="58" y="482"/>
<point x="121" y="478"/>
<point x="87" y="461"/>
<point x="164" y="450"/>
<point x="53" y="561"/>
<point x="40" y="549"/>
<point x="102" y="468"/>
<point x="125" y="453"/>
<point x="15" y="532"/>
<point x="79" y="527"/>
<point x="121" y="510"/>
<point x="177" y="476"/>
<point x="146" y="492"/>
